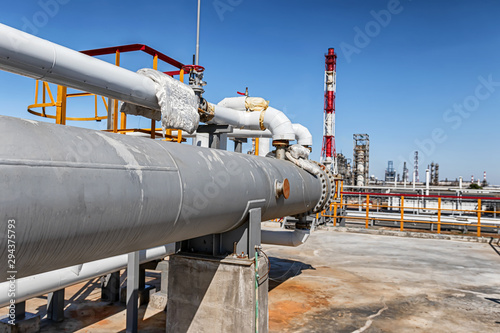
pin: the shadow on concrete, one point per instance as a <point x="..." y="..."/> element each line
<point x="153" y="324"/>
<point x="284" y="269"/>
<point x="85" y="308"/>
<point x="495" y="247"/>
<point x="495" y="300"/>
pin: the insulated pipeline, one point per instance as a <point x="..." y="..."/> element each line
<point x="79" y="195"/>
<point x="27" y="55"/>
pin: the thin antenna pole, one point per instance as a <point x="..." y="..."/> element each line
<point x="198" y="35"/>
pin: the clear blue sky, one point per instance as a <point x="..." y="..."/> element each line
<point x="420" y="69"/>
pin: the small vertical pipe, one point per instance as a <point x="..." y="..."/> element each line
<point x="479" y="217"/>
<point x="43" y="99"/>
<point x="257" y="146"/>
<point x="439" y="215"/>
<point x="367" y="210"/>
<point x="460" y="182"/>
<point x="197" y="59"/>
<point x="153" y="129"/>
<point x="402" y="208"/>
<point x="414" y="177"/>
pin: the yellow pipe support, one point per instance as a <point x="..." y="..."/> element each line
<point x="256" y="146"/>
<point x="61" y="105"/>
<point x="367" y="210"/>
<point x="36" y="91"/>
<point x="49" y="92"/>
<point x="439" y="216"/>
<point x="95" y="105"/>
<point x="105" y="104"/>
<point x="402" y="208"/>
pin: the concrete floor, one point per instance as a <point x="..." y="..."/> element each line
<point x="345" y="282"/>
<point x="342" y="282"/>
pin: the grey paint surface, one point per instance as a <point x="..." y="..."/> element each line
<point x="78" y="195"/>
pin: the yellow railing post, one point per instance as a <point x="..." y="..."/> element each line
<point x="341" y="194"/>
<point x="439" y="215"/>
<point x="61" y="105"/>
<point x="181" y="75"/>
<point x="257" y="146"/>
<point x="479" y="217"/>
<point x="402" y="208"/>
<point x="334" y="214"/>
<point x="367" y="210"/>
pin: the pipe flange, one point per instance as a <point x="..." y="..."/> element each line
<point x="332" y="187"/>
<point x="324" y="189"/>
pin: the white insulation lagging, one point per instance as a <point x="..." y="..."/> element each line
<point x="40" y="284"/>
<point x="302" y="135"/>
<point x="178" y="103"/>
<point x="274" y="120"/>
<point x="229" y="111"/>
<point x="258" y="104"/>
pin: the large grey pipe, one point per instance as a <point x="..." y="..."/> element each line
<point x="79" y="195"/>
<point x="25" y="54"/>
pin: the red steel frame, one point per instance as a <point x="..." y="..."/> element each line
<point x="137" y="47"/>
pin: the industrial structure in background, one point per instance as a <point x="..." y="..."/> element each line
<point x="405" y="172"/>
<point x="434" y="169"/>
<point x="361" y="158"/>
<point x="415" y="167"/>
<point x="344" y="165"/>
<point x="328" y="152"/>
<point x="390" y="172"/>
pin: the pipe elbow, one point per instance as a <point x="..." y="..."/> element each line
<point x="279" y="125"/>
<point x="302" y="135"/>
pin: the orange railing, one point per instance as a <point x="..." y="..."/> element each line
<point x="118" y="119"/>
<point x="373" y="207"/>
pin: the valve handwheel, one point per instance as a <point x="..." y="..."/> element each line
<point x="197" y="68"/>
